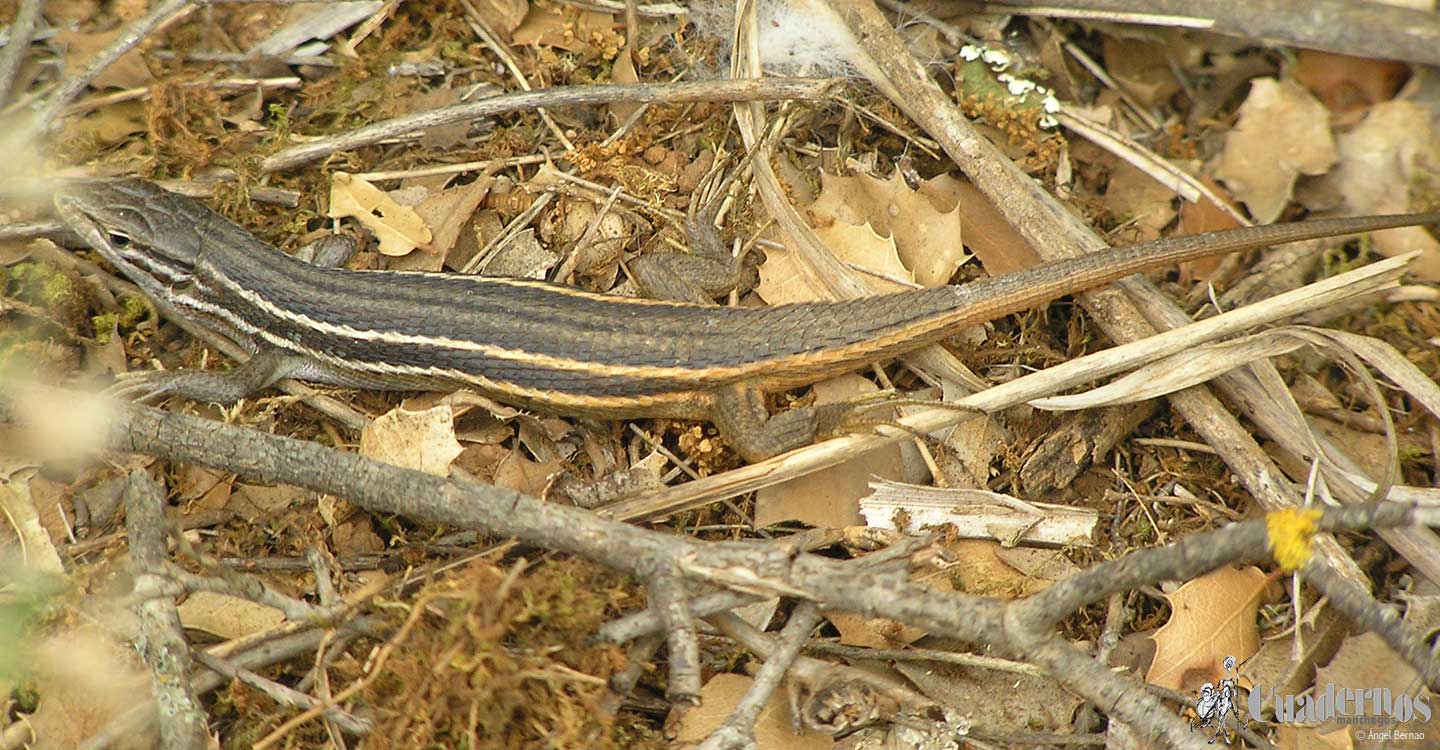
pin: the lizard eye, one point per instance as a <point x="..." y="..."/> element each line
<point x="118" y="240"/>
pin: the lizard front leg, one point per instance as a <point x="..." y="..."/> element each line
<point x="212" y="386"/>
<point x="706" y="272"/>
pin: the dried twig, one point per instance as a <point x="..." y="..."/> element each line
<point x="145" y="92"/>
<point x="283" y="695"/>
<point x="21" y="32"/>
<point x="738" y="731"/>
<point x="559" y="96"/>
<point x="670" y="602"/>
<point x="1348" y="27"/>
<point x="161" y="640"/>
<point x="255" y="656"/>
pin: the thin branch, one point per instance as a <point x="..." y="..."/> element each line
<point x="1349" y="27"/>
<point x="808" y="89"/>
<point x="670" y="602"/>
<point x="738" y="731"/>
<point x="285" y="696"/>
<point x="145" y="92"/>
<point x="21" y="32"/>
<point x="161" y="640"/>
<point x="138" y="719"/>
<point x="645" y="622"/>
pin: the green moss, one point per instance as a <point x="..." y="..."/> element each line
<point x="132" y="311"/>
<point x="104" y="324"/>
<point x="1335" y="260"/>
<point x="455" y="50"/>
<point x="43" y="285"/>
<point x="26" y="606"/>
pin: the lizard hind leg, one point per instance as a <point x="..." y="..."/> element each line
<point x="738" y="410"/>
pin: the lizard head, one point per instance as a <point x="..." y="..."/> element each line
<point x="148" y="233"/>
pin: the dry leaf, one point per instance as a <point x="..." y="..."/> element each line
<point x="1211" y="617"/>
<point x="773" y="729"/>
<point x="1040" y="564"/>
<point x="989" y="697"/>
<point x="482" y="460"/>
<point x="882" y="632"/>
<point x="873" y="632"/>
<point x="1000" y="248"/>
<point x="600" y="255"/>
<point x="519" y="473"/>
<point x="128" y="72"/>
<point x="830" y="498"/>
<point x="86" y="680"/>
<point x="398" y="227"/>
<point x="1205" y="216"/>
<point x="1143" y="67"/>
<point x="129" y="10"/>
<point x="226" y="616"/>
<point x="254" y="502"/>
<point x="570" y="29"/>
<point x="1365" y="660"/>
<point x="1283" y="132"/>
<point x="623" y="71"/>
<point x="1276" y="665"/>
<point x="1144" y="204"/>
<point x="1367" y="448"/>
<point x="55" y="504"/>
<point x="215" y="498"/>
<point x="71" y="12"/>
<point x="786" y="278"/>
<point x="446" y="136"/>
<point x="924" y="223"/>
<point x="1392" y="152"/>
<point x="973" y="445"/>
<point x="192" y="481"/>
<point x="447" y="212"/>
<point x="982" y="572"/>
<point x="503" y="16"/>
<point x="1348" y="84"/>
<point x="420" y="440"/>
<point x="108" y="126"/>
<point x="39" y="553"/>
<point x="521" y="257"/>
<point x="356" y="536"/>
<point x="106" y="358"/>
<point x="463" y="401"/>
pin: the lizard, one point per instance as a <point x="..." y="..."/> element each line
<point x="554" y="348"/>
